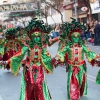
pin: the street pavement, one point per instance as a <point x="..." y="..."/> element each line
<point x="57" y="81"/>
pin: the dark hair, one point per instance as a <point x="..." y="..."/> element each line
<point x="95" y="20"/>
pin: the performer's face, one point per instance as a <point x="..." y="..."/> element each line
<point x="75" y="37"/>
<point x="11" y="43"/>
<point x="36" y="37"/>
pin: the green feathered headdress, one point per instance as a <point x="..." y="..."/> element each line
<point x="65" y="30"/>
<point x="18" y="28"/>
<point x="73" y="26"/>
<point x="35" y="25"/>
<point x="11" y="33"/>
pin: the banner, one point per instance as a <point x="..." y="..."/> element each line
<point x="18" y="7"/>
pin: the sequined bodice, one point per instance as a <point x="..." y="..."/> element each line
<point x="76" y="54"/>
<point x="35" y="54"/>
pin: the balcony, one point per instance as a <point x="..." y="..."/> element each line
<point x="70" y="4"/>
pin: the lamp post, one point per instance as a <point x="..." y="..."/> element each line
<point x="75" y="6"/>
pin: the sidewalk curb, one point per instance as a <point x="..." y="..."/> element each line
<point x="1" y="97"/>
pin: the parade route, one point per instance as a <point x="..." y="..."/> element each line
<point x="49" y="49"/>
<point x="1" y="97"/>
<point x="57" y="82"/>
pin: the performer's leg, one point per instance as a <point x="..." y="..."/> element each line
<point x="82" y="80"/>
<point x="73" y="85"/>
<point x="74" y="88"/>
<point x="38" y="85"/>
<point x="83" y="84"/>
<point x="6" y="56"/>
<point x="29" y="85"/>
<point x="68" y="84"/>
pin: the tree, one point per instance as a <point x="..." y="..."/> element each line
<point x="56" y="5"/>
<point x="48" y="4"/>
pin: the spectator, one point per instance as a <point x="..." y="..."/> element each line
<point x="87" y="33"/>
<point x="92" y="30"/>
<point x="96" y="33"/>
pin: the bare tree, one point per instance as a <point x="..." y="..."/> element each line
<point x="44" y="11"/>
<point x="56" y="5"/>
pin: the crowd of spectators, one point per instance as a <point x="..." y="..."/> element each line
<point x="92" y="33"/>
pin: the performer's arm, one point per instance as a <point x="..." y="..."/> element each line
<point x="47" y="61"/>
<point x="15" y="61"/>
<point x="61" y="54"/>
<point x="52" y="41"/>
<point x="90" y="55"/>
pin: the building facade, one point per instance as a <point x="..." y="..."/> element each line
<point x="70" y="7"/>
<point x="95" y="7"/>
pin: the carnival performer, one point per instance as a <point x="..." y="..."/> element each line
<point x="33" y="83"/>
<point x="22" y="35"/>
<point x="76" y="48"/>
<point x="11" y="46"/>
<point x="62" y="43"/>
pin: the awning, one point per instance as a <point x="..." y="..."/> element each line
<point x="81" y="15"/>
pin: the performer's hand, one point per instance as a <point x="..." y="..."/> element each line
<point x="55" y="61"/>
<point x="61" y="64"/>
<point x="97" y="61"/>
<point x="3" y="62"/>
<point x="98" y="57"/>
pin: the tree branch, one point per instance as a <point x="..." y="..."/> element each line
<point x="55" y="9"/>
